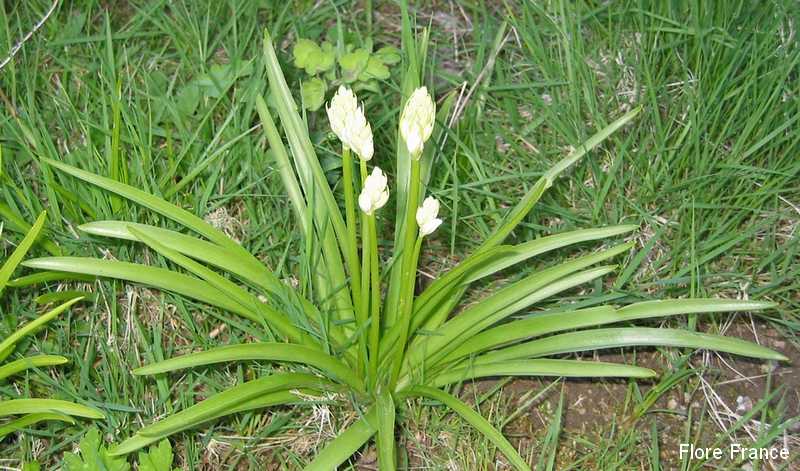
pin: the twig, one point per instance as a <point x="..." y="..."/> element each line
<point x="30" y="33"/>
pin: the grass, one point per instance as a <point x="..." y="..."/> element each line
<point x="161" y="95"/>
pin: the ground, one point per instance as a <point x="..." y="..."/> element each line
<point x="161" y="94"/>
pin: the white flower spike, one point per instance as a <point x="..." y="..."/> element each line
<point x="416" y="122"/>
<point x="349" y="123"/>
<point x="375" y="193"/>
<point x="426" y="216"/>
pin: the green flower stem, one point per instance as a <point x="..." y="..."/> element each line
<point x="375" y="296"/>
<point x="363" y="303"/>
<point x="409" y="267"/>
<point x="350" y="215"/>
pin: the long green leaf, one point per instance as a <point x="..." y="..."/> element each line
<point x="160" y="278"/>
<point x="35" y="406"/>
<point x="7" y="345"/>
<point x="154" y="203"/>
<point x="138" y="442"/>
<point x="473" y="418"/>
<point x="23" y="364"/>
<point x="319" y="197"/>
<point x="503" y="303"/>
<point x="248" y="301"/>
<point x="220" y="404"/>
<point x="48" y="276"/>
<point x="544" y="367"/>
<point x="207" y="252"/>
<point x="596" y="339"/>
<point x="563" y="284"/>
<point x="30" y="419"/>
<point x="550" y="322"/>
<point x="338" y="450"/>
<point x="386" y="441"/>
<point x="526" y="204"/>
<point x="19" y="253"/>
<point x="259" y="351"/>
<point x="435" y="303"/>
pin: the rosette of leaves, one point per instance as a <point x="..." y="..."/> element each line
<point x="25" y="412"/>
<point x="326" y="67"/>
<point x="315" y="329"/>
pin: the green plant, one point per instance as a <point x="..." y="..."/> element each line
<point x="328" y="65"/>
<point x="93" y="455"/>
<point x="377" y="351"/>
<point x="33" y="410"/>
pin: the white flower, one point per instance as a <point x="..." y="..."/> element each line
<point x="426" y="216"/>
<point x="360" y="135"/>
<point x="416" y="121"/>
<point x="374" y="194"/>
<point x="349" y="123"/>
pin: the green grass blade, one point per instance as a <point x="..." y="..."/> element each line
<point x="35" y="406"/>
<point x="7" y="345"/>
<point x="386" y="442"/>
<point x="30" y="419"/>
<point x="338" y="450"/>
<point x="473" y="418"/>
<point x="160" y="278"/>
<point x="19" y="253"/>
<point x="259" y="351"/>
<point x="218" y="405"/>
<point x="544" y="367"/>
<point x="23" y="364"/>
<point x="596" y="339"/>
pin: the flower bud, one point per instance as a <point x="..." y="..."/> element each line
<point x="375" y="194"/>
<point x="349" y="123"/>
<point x="416" y="121"/>
<point x="426" y="216"/>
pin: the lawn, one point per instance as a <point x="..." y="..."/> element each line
<point x="162" y="95"/>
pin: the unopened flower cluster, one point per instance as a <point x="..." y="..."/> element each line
<point x="350" y="125"/>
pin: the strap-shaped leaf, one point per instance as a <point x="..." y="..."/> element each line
<point x="138" y="441"/>
<point x="249" y="302"/>
<point x="541" y="367"/>
<point x="19" y="253"/>
<point x="48" y="276"/>
<point x="23" y="364"/>
<point x="154" y="203"/>
<point x="596" y="339"/>
<point x="338" y="450"/>
<point x="7" y="345"/>
<point x="36" y="406"/>
<point x="545" y="292"/>
<point x="30" y="419"/>
<point x="473" y="418"/>
<point x="436" y="302"/>
<point x="218" y="405"/>
<point x="550" y="322"/>
<point x="386" y="442"/>
<point x="529" y="200"/>
<point x="502" y="304"/>
<point x="198" y="249"/>
<point x="156" y="277"/>
<point x="327" y="218"/>
<point x="259" y="351"/>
